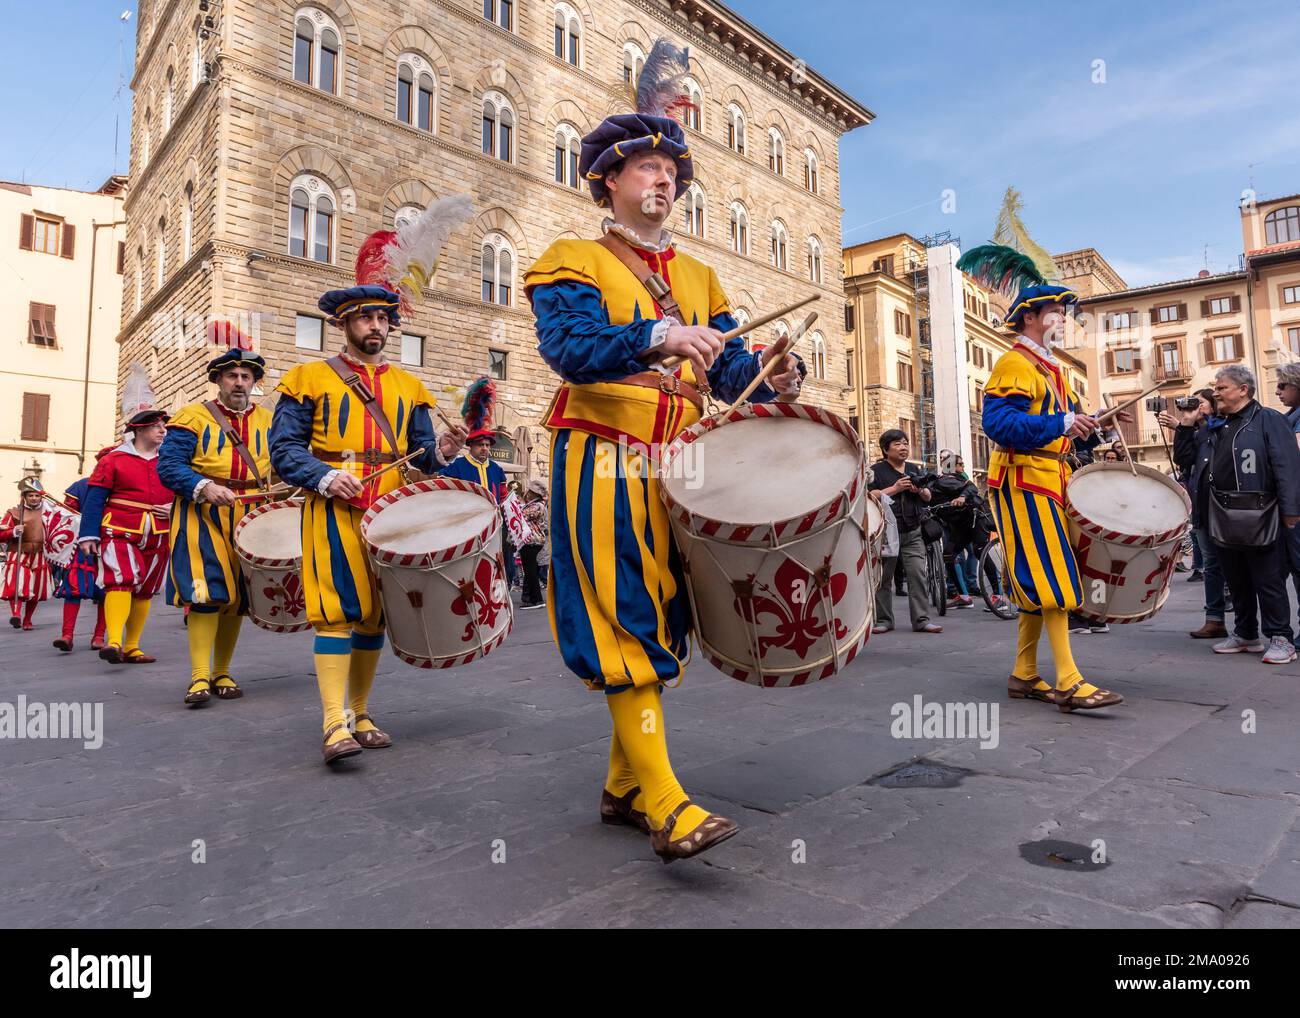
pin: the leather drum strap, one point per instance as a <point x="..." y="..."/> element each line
<point x="653" y="282"/>
<point x="232" y="436"/>
<point x="362" y="391"/>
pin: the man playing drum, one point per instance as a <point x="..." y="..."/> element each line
<point x="338" y="422"/>
<point x="214" y="451"/>
<point x="1032" y="415"/>
<point x="617" y="603"/>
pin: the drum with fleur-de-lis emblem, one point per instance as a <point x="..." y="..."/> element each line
<point x="435" y="546"/>
<point x="779" y="541"/>
<point x="1126" y="529"/>
<point x="268" y="541"/>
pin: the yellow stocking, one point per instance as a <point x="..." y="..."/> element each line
<point x="332" y="653"/>
<point x="639" y="727"/>
<point x="1057" y="623"/>
<point x="366" y="648"/>
<point x="135" y="623"/>
<point x="117" y="609"/>
<point x="201" y="631"/>
<point x="621" y="779"/>
<point x="1031" y="628"/>
<point x="223" y="650"/>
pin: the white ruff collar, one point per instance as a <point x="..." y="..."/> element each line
<point x="630" y="235"/>
<point x="128" y="446"/>
<point x="1046" y="354"/>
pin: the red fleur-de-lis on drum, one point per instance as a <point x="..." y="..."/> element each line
<point x="796" y="604"/>
<point x="489" y="599"/>
<point x="287" y="596"/>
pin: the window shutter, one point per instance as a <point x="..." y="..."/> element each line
<point x="50" y="334"/>
<point x="1205" y="309"/>
<point x="26" y="230"/>
<point x="1207" y="349"/>
<point x="1155" y="315"/>
<point x="1110" y="362"/>
<point x="1137" y="360"/>
<point x="26" y="433"/>
<point x="1105" y="323"/>
<point x="1237" y="348"/>
<point x="41" y="419"/>
<point x="33" y="320"/>
<point x="1236" y="305"/>
<point x="121" y="257"/>
<point x="69" y="240"/>
<point x="1182" y="312"/>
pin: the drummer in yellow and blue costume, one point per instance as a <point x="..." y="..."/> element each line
<point x="1033" y="415"/>
<point x="201" y="462"/>
<point x="324" y="441"/>
<point x="618" y="606"/>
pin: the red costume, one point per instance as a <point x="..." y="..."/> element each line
<point x="127" y="508"/>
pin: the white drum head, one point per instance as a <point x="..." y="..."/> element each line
<point x="274" y="534"/>
<point x="429" y="521"/>
<point x="1114" y="499"/>
<point x="762" y="469"/>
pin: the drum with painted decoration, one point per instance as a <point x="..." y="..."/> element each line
<point x="268" y="541"/>
<point x="1126" y="530"/>
<point x="435" y="546"/>
<point x="779" y="544"/>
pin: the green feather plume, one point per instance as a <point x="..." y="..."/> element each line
<point x="1000" y="268"/>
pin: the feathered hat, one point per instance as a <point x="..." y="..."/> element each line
<point x="477" y="410"/>
<point x="394" y="266"/>
<point x="659" y="92"/>
<point x="139" y="404"/>
<point x="1009" y="272"/>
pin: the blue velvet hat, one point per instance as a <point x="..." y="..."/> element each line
<point x="337" y="304"/>
<point x="624" y="134"/>
<point x="235" y="357"/>
<point x="1030" y="298"/>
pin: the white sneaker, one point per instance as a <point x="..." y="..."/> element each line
<point x="1102" y="627"/>
<point x="1280" y="651"/>
<point x="1235" y="645"/>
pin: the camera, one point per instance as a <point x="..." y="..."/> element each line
<point x="1188" y="402"/>
<point x="1156" y="404"/>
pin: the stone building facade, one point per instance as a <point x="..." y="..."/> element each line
<point x="271" y="136"/>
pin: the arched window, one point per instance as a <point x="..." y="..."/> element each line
<point x="775" y="152"/>
<point x="311" y="219"/>
<point x="633" y="61"/>
<point x="498" y="127"/>
<point x="567" y="150"/>
<point x="739" y="228"/>
<point x="139" y="278"/>
<point x="317" y="49"/>
<point x="196" y="58"/>
<point x="780" y="242"/>
<point x="498" y="262"/>
<point x="187" y="223"/>
<point x="693" y="206"/>
<point x="810" y="170"/>
<point x="568" y="30"/>
<point x="406" y="215"/>
<point x="416" y="89"/>
<point x="500" y="12"/>
<point x="814" y="260"/>
<point x="691" y="114"/>
<point x="818" y="366"/>
<point x="743" y="318"/>
<point x="1282" y="225"/>
<point x="160" y="254"/>
<point x="169" y="96"/>
<point x="145" y="131"/>
<point x="735" y="129"/>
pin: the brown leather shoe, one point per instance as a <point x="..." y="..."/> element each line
<point x="1068" y="700"/>
<point x="1212" y="630"/>
<point x="619" y="810"/>
<point x="375" y="739"/>
<point x="200" y="692"/>
<point x="713" y="830"/>
<point x="232" y="692"/>
<point x="341" y="750"/>
<point x="1024" y="689"/>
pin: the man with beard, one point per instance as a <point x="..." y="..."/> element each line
<point x="339" y="422"/>
<point x="214" y="451"/>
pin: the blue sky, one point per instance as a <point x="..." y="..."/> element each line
<point x="1147" y="166"/>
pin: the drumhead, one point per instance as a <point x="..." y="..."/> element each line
<point x="1113" y="499"/>
<point x="762" y="469"/>
<point x="274" y="534"/>
<point x="428" y="521"/>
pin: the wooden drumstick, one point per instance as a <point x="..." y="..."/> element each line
<point x="740" y="330"/>
<point x="779" y="350"/>
<point x="269" y="493"/>
<point x="392" y="466"/>
<point x="1102" y="418"/>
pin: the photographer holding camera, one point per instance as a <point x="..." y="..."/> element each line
<point x="892" y="475"/>
<point x="1190" y="422"/>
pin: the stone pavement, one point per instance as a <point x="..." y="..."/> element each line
<point x="503" y="760"/>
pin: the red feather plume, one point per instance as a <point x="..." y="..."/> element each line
<point x="373" y="267"/>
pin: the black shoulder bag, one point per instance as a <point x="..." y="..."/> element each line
<point x="1241" y="519"/>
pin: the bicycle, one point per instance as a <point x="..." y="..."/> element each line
<point x="994" y="580"/>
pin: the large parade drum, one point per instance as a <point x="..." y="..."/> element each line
<point x="1127" y="531"/>
<point x="769" y="506"/>
<point x="268" y="541"/>
<point x="436" y="550"/>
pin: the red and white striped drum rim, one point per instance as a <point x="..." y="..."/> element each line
<point x="757" y="678"/>
<point x="259" y="560"/>
<point x="1119" y="537"/>
<point x="437" y="557"/>
<point x="763" y="534"/>
<point x="455" y="660"/>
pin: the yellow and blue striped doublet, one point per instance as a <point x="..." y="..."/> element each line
<point x="1026" y="399"/>
<point x="203" y="569"/>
